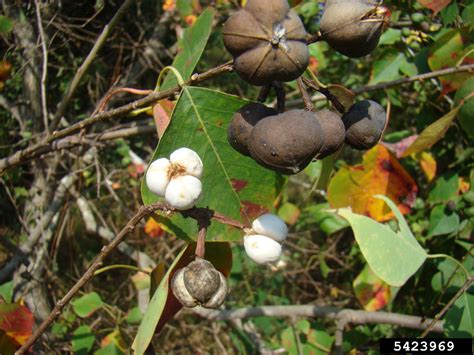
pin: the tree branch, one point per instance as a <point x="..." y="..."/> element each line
<point x="23" y="155"/>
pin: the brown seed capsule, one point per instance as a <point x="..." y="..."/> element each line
<point x="268" y="42"/>
<point x="243" y="121"/>
<point x="365" y="123"/>
<point x="199" y="283"/>
<point x="353" y="27"/>
<point x="287" y="142"/>
<point x="334" y="132"/>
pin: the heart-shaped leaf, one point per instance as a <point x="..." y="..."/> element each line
<point x="394" y="257"/>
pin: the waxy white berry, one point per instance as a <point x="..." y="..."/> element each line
<point x="189" y="160"/>
<point x="183" y="192"/>
<point x="272" y="226"/>
<point x="158" y="176"/>
<point x="262" y="249"/>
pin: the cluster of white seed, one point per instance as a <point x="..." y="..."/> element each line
<point x="262" y="244"/>
<point x="177" y="179"/>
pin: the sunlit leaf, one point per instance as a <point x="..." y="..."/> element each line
<point x="393" y="257"/>
<point x="432" y="134"/>
<point x="379" y="174"/>
<point x="86" y="305"/>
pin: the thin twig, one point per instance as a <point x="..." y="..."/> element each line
<point x="202" y="215"/>
<point x="21" y="156"/>
<point x="446" y="308"/>
<point x="88" y="61"/>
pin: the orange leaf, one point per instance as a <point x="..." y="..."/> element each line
<point x="435" y="5"/>
<point x="428" y="165"/>
<point x="153" y="228"/>
<point x="379" y="174"/>
<point x="16" y="321"/>
<point x="464" y="186"/>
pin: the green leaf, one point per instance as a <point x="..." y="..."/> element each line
<point x="82" y="340"/>
<point x="233" y="185"/>
<point x="190" y="48"/>
<point x="459" y="321"/>
<point x="432" y="134"/>
<point x="465" y="98"/>
<point x="6" y="24"/>
<point x="442" y="221"/>
<point x="6" y="291"/>
<point x="450" y="272"/>
<point x="387" y="67"/>
<point x="402" y="223"/>
<point x="134" y="316"/>
<point x="110" y="349"/>
<point x="86" y="305"/>
<point x="390" y="36"/>
<point x="394" y="257"/>
<point x="446" y="188"/>
<point x="328" y="222"/>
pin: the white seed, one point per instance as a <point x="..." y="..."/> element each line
<point x="157" y="176"/>
<point x="262" y="249"/>
<point x="219" y="297"/>
<point x="183" y="192"/>
<point x="189" y="160"/>
<point x="271" y="226"/>
<point x="180" y="291"/>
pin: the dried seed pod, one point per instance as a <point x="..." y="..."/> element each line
<point x="353" y="27"/>
<point x="243" y="121"/>
<point x="334" y="132"/>
<point x="199" y="283"/>
<point x="365" y="122"/>
<point x="268" y="42"/>
<point x="180" y="291"/>
<point x="202" y="280"/>
<point x="287" y="142"/>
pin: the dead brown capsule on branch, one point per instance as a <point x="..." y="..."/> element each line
<point x="243" y="121"/>
<point x="286" y="142"/>
<point x="333" y="130"/>
<point x="268" y="42"/>
<point x="199" y="283"/>
<point x="365" y="123"/>
<point x="353" y="27"/>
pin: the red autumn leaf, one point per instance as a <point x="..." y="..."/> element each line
<point x="379" y="174"/>
<point x="435" y="5"/>
<point x="371" y="291"/>
<point x="16" y="321"/>
<point x="400" y="147"/>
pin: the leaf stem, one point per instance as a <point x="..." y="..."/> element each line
<point x="120" y="266"/>
<point x="457" y="262"/>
